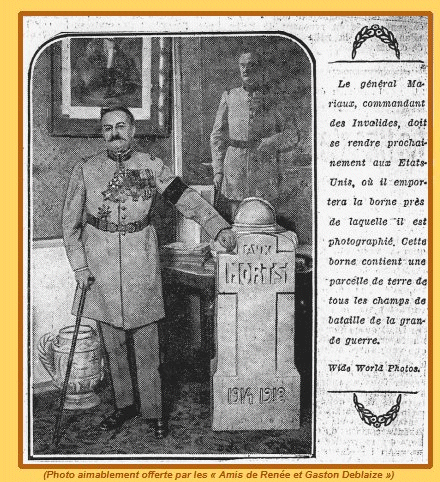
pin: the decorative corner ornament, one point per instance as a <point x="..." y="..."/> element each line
<point x="382" y="33"/>
<point x="377" y="421"/>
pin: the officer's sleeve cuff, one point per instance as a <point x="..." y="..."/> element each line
<point x="77" y="258"/>
<point x="214" y="225"/>
<point x="84" y="268"/>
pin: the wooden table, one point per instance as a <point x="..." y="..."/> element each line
<point x="185" y="281"/>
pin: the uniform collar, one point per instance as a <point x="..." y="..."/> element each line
<point x="120" y="156"/>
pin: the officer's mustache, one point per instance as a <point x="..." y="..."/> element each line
<point x="117" y="137"/>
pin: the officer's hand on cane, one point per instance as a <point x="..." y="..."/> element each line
<point x="218" y="178"/>
<point x="227" y="238"/>
<point x="84" y="278"/>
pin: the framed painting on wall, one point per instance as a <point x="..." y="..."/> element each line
<point x="93" y="72"/>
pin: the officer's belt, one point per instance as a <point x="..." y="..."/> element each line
<point x="244" y="144"/>
<point x="253" y="144"/>
<point x="103" y="225"/>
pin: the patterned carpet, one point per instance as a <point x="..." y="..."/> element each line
<point x="189" y="425"/>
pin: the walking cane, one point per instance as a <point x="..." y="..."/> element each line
<point x="56" y="433"/>
<point x="216" y="197"/>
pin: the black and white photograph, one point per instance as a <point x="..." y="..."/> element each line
<point x="172" y="283"/>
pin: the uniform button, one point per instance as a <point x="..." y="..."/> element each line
<point x="123" y="217"/>
<point x="123" y="208"/>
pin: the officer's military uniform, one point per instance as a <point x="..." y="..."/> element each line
<point x="107" y="228"/>
<point x="243" y="119"/>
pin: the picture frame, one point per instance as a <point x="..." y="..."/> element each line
<point x="91" y="72"/>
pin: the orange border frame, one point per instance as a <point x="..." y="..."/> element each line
<point x="427" y="14"/>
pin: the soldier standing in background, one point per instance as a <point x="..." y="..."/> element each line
<point x="248" y="134"/>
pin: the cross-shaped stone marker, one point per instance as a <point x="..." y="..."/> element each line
<point x="256" y="385"/>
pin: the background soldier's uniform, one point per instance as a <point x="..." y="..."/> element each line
<point x="243" y="119"/>
<point x="106" y="227"/>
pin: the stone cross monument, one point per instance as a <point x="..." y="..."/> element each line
<point x="256" y="385"/>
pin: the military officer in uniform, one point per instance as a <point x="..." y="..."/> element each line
<point x="248" y="134"/>
<point x="113" y="249"/>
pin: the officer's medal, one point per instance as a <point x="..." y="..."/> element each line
<point x="134" y="183"/>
